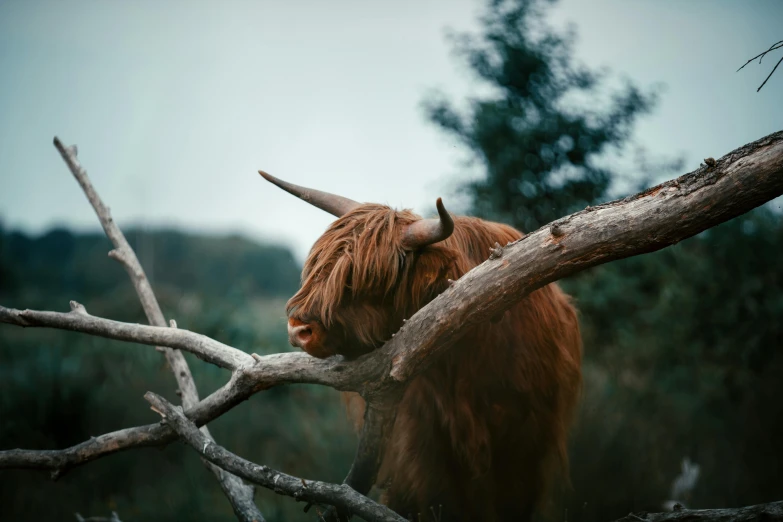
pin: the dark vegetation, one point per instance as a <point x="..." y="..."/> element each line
<point x="59" y="388"/>
<point x="682" y="347"/>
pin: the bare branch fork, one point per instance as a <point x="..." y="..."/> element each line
<point x="240" y="495"/>
<point x="653" y="219"/>
<point x="310" y="491"/>
<point x="773" y="47"/>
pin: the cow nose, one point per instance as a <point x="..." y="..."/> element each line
<point x="310" y="337"/>
<point x="299" y="335"/>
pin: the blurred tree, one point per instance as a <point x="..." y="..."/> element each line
<point x="542" y="131"/>
<point x="682" y="346"/>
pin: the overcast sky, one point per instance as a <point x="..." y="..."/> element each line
<point x="176" y="105"/>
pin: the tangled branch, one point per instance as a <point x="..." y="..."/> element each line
<point x="239" y="494"/>
<point x="298" y="488"/>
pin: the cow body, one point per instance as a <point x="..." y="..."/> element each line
<point x="479" y="434"/>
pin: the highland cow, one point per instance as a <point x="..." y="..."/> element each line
<point x="480" y="433"/>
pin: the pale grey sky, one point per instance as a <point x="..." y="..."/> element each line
<point x="176" y="105"/>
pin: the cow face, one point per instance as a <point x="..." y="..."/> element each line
<point x="370" y="269"/>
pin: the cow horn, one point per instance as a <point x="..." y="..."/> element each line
<point x="333" y="204"/>
<point x="428" y="231"/>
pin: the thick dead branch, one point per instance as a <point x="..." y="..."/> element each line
<point x="771" y="511"/>
<point x="648" y="221"/>
<point x="305" y="490"/>
<point x="239" y="495"/>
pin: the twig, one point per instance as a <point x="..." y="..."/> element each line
<point x="760" y="56"/>
<point x="770" y="74"/>
<point x="311" y="491"/>
<point x="239" y="495"/>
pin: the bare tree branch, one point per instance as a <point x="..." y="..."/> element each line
<point x="239" y="495"/>
<point x="773" y="47"/>
<point x="78" y="320"/>
<point x="305" y="490"/>
<point x="772" y="511"/>
<point x="266" y="371"/>
<point x="124" y="254"/>
<point x="653" y="219"/>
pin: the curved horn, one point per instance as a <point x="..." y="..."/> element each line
<point x="428" y="231"/>
<point x="333" y="204"/>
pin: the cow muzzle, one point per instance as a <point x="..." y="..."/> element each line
<point x="310" y="337"/>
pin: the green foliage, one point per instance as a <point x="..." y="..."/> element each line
<point x="59" y="388"/>
<point x="683" y="358"/>
<point x="212" y="265"/>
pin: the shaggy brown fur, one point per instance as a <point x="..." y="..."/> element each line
<point x="482" y="430"/>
